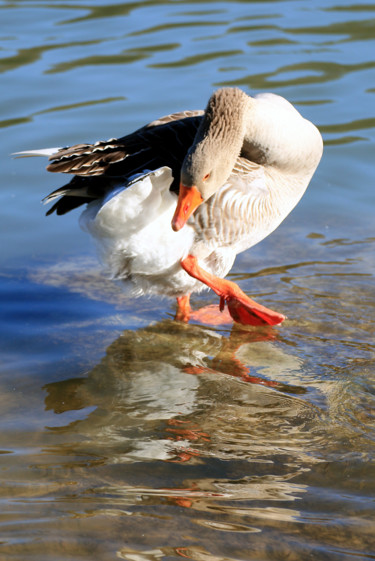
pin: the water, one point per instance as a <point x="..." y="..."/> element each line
<point x="125" y="435"/>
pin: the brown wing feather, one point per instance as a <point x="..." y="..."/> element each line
<point x="176" y="117"/>
<point x="95" y="159"/>
<point x="97" y="167"/>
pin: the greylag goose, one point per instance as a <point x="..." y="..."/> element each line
<point x="171" y="204"/>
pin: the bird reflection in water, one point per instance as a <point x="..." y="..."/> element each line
<point x="157" y="389"/>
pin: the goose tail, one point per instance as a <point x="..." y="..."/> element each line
<point x="47" y="152"/>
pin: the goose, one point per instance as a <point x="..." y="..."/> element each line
<point x="172" y="204"/>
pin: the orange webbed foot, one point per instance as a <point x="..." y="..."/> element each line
<point x="248" y="312"/>
<point x="241" y="308"/>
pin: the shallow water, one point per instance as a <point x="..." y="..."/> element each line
<point x="126" y="435"/>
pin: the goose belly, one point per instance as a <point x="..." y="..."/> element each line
<point x="134" y="237"/>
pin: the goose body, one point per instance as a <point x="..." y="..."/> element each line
<point x="172" y="204"/>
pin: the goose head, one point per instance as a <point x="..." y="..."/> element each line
<point x="211" y="158"/>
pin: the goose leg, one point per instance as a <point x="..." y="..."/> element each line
<point x="242" y="308"/>
<point x="183" y="310"/>
<point x="206" y="315"/>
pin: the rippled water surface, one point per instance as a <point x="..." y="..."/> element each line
<point x="126" y="435"/>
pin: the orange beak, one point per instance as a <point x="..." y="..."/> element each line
<point x="188" y="200"/>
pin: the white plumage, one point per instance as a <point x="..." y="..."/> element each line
<point x="132" y="230"/>
<point x="247" y="159"/>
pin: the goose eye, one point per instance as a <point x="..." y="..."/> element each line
<point x="206" y="176"/>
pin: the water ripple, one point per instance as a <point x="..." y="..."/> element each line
<point x="123" y="433"/>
